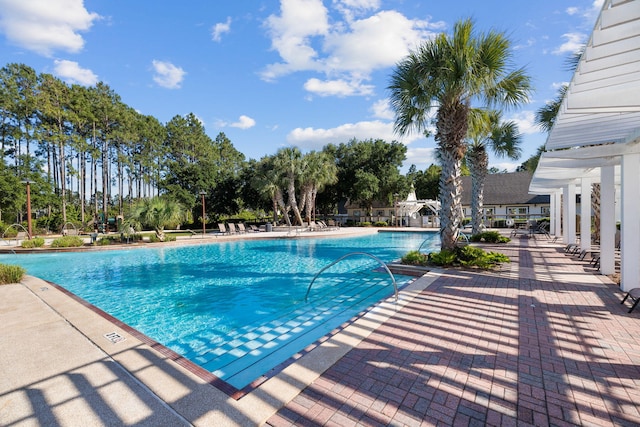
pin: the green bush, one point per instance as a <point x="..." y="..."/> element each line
<point x="490" y="237"/>
<point x="380" y="224"/>
<point x="67" y="242"/>
<point x="36" y="242"/>
<point x="11" y="274"/>
<point x="167" y="238"/>
<point x="415" y="258"/>
<point x="466" y="256"/>
<point x="443" y="258"/>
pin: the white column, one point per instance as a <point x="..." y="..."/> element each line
<point x="585" y="214"/>
<point x="569" y="214"/>
<point x="556" y="213"/>
<point x="630" y="222"/>
<point x="607" y="220"/>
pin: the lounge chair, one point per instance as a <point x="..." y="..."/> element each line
<point x="232" y="228"/>
<point x="634" y="295"/>
<point x="222" y="229"/>
<point x="241" y="228"/>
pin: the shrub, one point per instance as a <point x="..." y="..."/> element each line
<point x="490" y="237"/>
<point x="380" y="224"/>
<point x="467" y="256"/>
<point x="104" y="241"/>
<point x="11" y="274"/>
<point x="36" y="242"/>
<point x="443" y="258"/>
<point x="67" y="242"/>
<point x="415" y="258"/>
<point x="167" y="238"/>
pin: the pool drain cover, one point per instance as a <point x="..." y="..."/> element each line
<point x="114" y="337"/>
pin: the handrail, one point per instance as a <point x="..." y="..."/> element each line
<point x="428" y="239"/>
<point x="393" y="279"/>
<point x="16" y="225"/>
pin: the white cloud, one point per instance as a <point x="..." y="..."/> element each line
<point x="574" y="42"/>
<point x="375" y="42"/>
<point x="244" y="122"/>
<point x="526" y="122"/>
<point x="573" y="10"/>
<point x="340" y="88"/>
<point x="314" y="139"/>
<point x="422" y="157"/>
<point x="45" y="26"/>
<point x="382" y="110"/>
<point x="219" y="29"/>
<point x="291" y="34"/>
<point x="350" y="8"/>
<point x="71" y="72"/>
<point x="167" y="75"/>
<point x="346" y="51"/>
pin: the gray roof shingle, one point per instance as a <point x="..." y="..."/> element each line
<point x="504" y="189"/>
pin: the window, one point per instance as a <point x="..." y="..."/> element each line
<point x="490" y="211"/>
<point x="517" y="212"/>
<point x="356" y="213"/>
<point x="545" y="210"/>
<point x="380" y="213"/>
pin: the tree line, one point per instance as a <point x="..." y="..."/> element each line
<point x="89" y="156"/>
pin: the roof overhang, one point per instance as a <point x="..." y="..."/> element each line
<point x="599" y="119"/>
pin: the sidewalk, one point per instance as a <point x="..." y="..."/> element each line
<point x="544" y="342"/>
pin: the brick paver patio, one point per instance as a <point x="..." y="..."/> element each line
<point x="545" y="341"/>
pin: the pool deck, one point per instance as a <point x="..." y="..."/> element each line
<point x="543" y="341"/>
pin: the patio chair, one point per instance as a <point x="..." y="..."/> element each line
<point x="241" y="228"/>
<point x="232" y="228"/>
<point x="222" y="229"/>
<point x="634" y="295"/>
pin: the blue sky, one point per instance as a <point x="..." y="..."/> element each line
<point x="270" y="73"/>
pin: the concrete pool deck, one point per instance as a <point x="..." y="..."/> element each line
<point x="543" y="341"/>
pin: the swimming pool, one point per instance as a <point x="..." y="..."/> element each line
<point x="236" y="308"/>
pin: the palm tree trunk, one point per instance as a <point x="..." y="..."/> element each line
<point x="478" y="161"/>
<point x="450" y="206"/>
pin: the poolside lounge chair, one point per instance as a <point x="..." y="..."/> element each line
<point x="232" y="228"/>
<point x="241" y="228"/>
<point x="222" y="229"/>
<point x="634" y="295"/>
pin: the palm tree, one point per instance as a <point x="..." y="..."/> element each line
<point x="486" y="131"/>
<point x="156" y="213"/>
<point x="319" y="170"/>
<point x="288" y="164"/>
<point x="448" y="74"/>
<point x="267" y="182"/>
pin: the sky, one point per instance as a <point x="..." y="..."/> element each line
<point x="273" y="74"/>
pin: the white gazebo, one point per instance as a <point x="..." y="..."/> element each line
<point x="411" y="206"/>
<point x="596" y="139"/>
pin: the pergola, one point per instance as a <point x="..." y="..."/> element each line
<point x="596" y="139"/>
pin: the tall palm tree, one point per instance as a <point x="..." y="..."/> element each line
<point x="487" y="132"/>
<point x="449" y="74"/>
<point x="319" y="170"/>
<point x="288" y="163"/>
<point x="267" y="182"/>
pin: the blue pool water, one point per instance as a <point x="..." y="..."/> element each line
<point x="236" y="308"/>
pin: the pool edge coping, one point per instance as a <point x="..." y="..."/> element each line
<point x="159" y="375"/>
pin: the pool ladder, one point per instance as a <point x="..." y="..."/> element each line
<point x="393" y="279"/>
